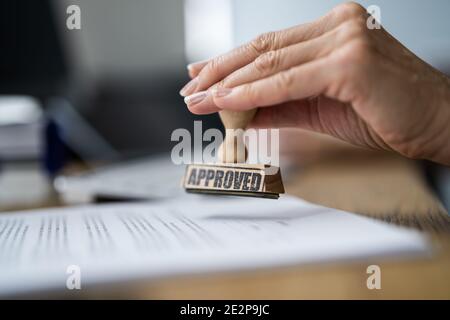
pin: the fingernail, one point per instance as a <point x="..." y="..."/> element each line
<point x="189" y="87"/>
<point x="221" y="92"/>
<point x="197" y="64"/>
<point x="195" y="98"/>
<point x="195" y="68"/>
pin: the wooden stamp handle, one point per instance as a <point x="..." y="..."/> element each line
<point x="233" y="148"/>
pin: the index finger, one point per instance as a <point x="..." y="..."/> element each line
<point x="221" y="66"/>
<point x="301" y="82"/>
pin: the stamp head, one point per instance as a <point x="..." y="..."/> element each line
<point x="233" y="179"/>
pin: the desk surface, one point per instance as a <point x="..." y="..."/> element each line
<point x="379" y="185"/>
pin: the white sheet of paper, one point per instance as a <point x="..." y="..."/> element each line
<point x="191" y="235"/>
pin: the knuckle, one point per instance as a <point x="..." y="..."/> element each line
<point x="264" y="42"/>
<point x="267" y="62"/>
<point x="232" y="80"/>
<point x="358" y="51"/>
<point x="354" y="29"/>
<point x="284" y="82"/>
<point x="357" y="28"/>
<point x="349" y="10"/>
<point x="355" y="62"/>
<point x="251" y="94"/>
<point x="214" y="66"/>
<point x="221" y="84"/>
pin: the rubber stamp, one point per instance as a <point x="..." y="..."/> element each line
<point x="232" y="175"/>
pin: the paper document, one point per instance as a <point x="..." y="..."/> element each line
<point x="117" y="242"/>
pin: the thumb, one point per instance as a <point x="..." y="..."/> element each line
<point x="322" y="115"/>
<point x="297" y="114"/>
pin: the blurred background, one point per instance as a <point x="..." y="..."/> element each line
<point x="109" y="91"/>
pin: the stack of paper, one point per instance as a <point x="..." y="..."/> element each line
<point x="41" y="249"/>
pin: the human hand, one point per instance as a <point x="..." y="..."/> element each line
<point x="333" y="76"/>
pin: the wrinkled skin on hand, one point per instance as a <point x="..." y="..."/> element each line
<point x="334" y="76"/>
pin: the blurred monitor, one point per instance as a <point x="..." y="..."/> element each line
<point x="32" y="61"/>
<point x="113" y="85"/>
